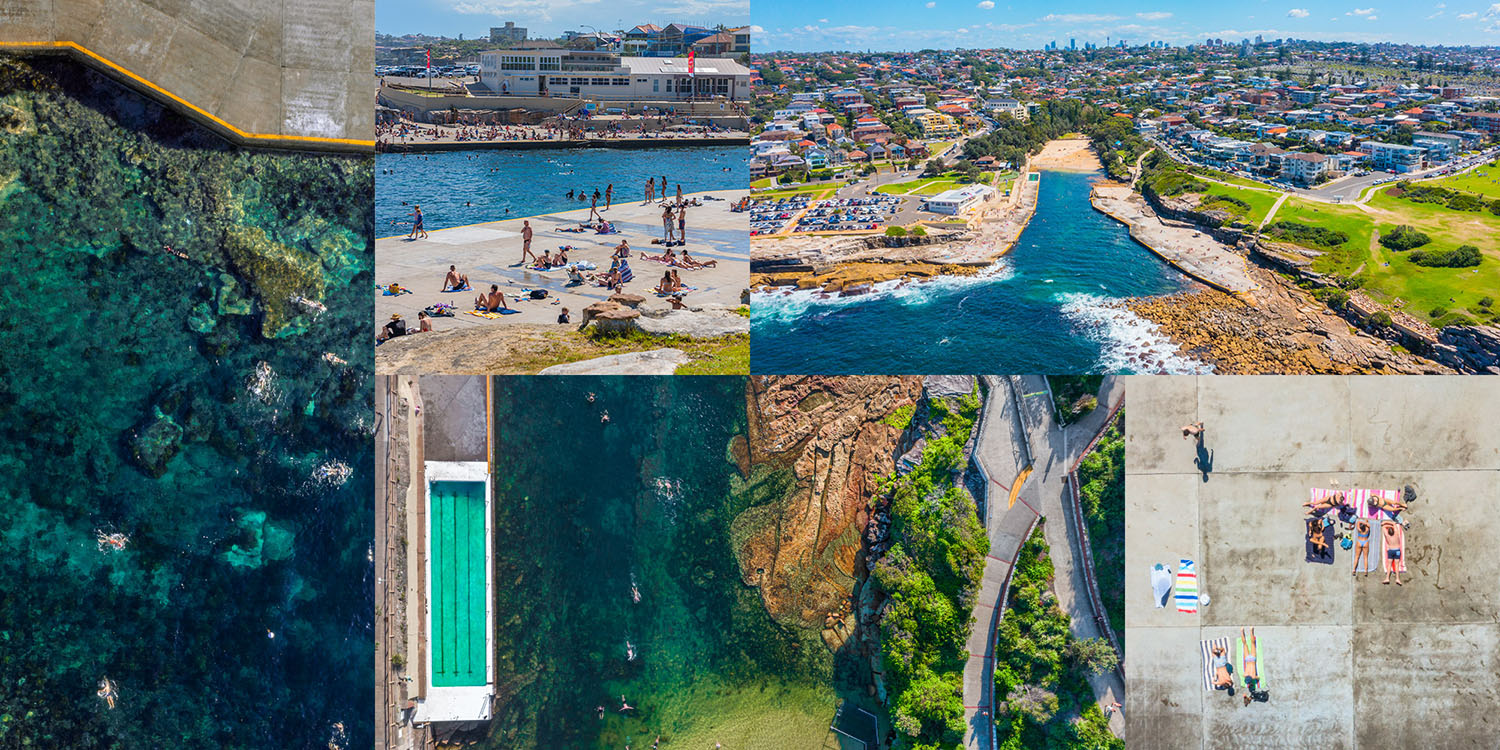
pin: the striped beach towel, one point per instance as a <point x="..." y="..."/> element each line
<point x="1187" y="587"/>
<point x="1260" y="663"/>
<point x="1360" y="499"/>
<point x="1206" y="648"/>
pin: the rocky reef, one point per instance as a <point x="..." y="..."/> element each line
<point x="829" y="438"/>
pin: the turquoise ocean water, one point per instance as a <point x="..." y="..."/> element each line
<point x="166" y="375"/>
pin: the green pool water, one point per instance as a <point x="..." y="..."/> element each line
<point x="458" y="614"/>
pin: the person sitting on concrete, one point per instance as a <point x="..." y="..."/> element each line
<point x="455" y="281"/>
<point x="688" y="261"/>
<point x="396" y="327"/>
<point x="492" y="302"/>
<point x="1315" y="535"/>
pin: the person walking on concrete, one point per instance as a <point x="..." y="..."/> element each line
<point x="666" y="224"/>
<point x="1194" y="430"/>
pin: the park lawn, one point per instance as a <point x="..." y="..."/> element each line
<point x="1483" y="180"/>
<point x="763" y="182"/>
<point x="1388" y="275"/>
<point x="1260" y="202"/>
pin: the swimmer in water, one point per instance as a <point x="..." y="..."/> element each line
<point x="625" y="706"/>
<point x="590" y="397"/>
<point x="604" y="418"/>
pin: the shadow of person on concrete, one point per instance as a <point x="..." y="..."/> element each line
<point x="1204" y="460"/>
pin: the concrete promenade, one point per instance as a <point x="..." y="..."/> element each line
<point x="1348" y="662"/>
<point x="258" y="72"/>
<point x="1191" y="251"/>
<point x="490" y="253"/>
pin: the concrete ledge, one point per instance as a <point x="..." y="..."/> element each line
<point x="232" y="68"/>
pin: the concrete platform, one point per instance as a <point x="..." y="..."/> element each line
<point x="258" y="72"/>
<point x="1349" y="662"/>
<point x="490" y="253"/>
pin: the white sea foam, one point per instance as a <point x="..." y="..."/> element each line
<point x="789" y="304"/>
<point x="1131" y="343"/>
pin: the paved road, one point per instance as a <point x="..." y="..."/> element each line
<point x="1010" y="440"/>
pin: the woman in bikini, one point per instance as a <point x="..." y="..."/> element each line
<point x="689" y="262"/>
<point x="1250" y="665"/>
<point x="1361" y="545"/>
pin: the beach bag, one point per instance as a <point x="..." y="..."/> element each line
<point x="539" y="294"/>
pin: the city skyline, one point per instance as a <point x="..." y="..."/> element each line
<point x="891" y="25"/>
<point x="547" y="19"/>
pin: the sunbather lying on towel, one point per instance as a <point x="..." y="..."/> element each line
<point x="1361" y="545"/>
<point x="492" y="302"/>
<point x="1250" y="665"/>
<point x="1390" y="506"/>
<point x="1315" y="535"/>
<point x="669" y="257"/>
<point x="455" y="281"/>
<point x="1395" y="547"/>
<point x="1317" y="507"/>
<point x="688" y="261"/>
<point x="1222" y="678"/>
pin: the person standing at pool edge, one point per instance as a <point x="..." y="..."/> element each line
<point x="417" y="232"/>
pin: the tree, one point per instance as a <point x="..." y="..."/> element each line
<point x="1031" y="702"/>
<point x="1094" y="654"/>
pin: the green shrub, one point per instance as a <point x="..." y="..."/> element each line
<point x="1404" y="237"/>
<point x="1486" y="301"/>
<point x="1463" y="256"/>
<point x="1466" y="202"/>
<point x="919" y="231"/>
<point x="1303" y="234"/>
<point x="1381" y="319"/>
<point x="1437" y="312"/>
<point x="895" y="231"/>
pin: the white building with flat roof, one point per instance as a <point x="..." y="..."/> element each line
<point x="607" y="76"/>
<point x="958" y="200"/>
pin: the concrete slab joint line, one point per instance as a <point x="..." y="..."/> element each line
<point x="220" y="66"/>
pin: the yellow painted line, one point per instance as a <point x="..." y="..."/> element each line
<point x="489" y="423"/>
<point x="1015" y="487"/>
<point x="122" y="70"/>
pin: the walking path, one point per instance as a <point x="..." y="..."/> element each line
<point x="1020" y="442"/>
<point x="1272" y="213"/>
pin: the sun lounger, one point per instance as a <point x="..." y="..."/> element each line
<point x="1314" y="555"/>
<point x="1206" y="649"/>
<point x="1187" y="587"/>
<point x="1161" y="585"/>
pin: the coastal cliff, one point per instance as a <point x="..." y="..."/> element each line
<point x="815" y="444"/>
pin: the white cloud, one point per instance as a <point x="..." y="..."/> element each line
<point x="755" y="29"/>
<point x="1467" y="16"/>
<point x="1493" y="11"/>
<point x="1077" y="18"/>
<point x="1360" y="12"/>
<point x="1298" y="13"/>
<point x="1372" y="18"/>
<point x="822" y="20"/>
<point x="986" y="4"/>
<point x="1155" y="15"/>
<point x="1435" y="15"/>
<point x="932" y="5"/>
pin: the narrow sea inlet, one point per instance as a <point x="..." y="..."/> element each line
<point x="1042" y="308"/>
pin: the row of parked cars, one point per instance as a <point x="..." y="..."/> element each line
<point x="422" y="71"/>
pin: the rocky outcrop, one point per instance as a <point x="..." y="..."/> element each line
<point x="803" y="549"/>
<point x="1184" y="210"/>
<point x="155" y="442"/>
<point x="1285" y="332"/>
<point x="1469" y="349"/>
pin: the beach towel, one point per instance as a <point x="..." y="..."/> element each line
<point x="1161" y="585"/>
<point x="459" y="289"/>
<point x="386" y="290"/>
<point x="1239" y="662"/>
<point x="1187" y="587"/>
<point x="626" y="274"/>
<point x="1206" y="649"/>
<point x="1385" y="547"/>
<point x="1324" y="557"/>
<point x="1319" y="494"/>
<point x="1371" y="563"/>
<point x="683" y="290"/>
<point x="478" y="313"/>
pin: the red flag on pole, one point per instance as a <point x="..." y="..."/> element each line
<point x="692" y="57"/>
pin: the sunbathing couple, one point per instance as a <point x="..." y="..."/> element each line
<point x="602" y="227"/>
<point x="671" y="283"/>
<point x="549" y="261"/>
<point x="671" y="258"/>
<point x="492" y="302"/>
<point x="1223" y="677"/>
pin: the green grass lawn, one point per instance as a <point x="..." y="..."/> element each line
<point x="928" y="185"/>
<point x="1388" y="275"/>
<point x="1483" y="180"/>
<point x="1260" y="202"/>
<point x="763" y="182"/>
<point x="815" y="189"/>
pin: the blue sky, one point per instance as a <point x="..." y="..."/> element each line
<point x="798" y="25"/>
<point x="548" y="18"/>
